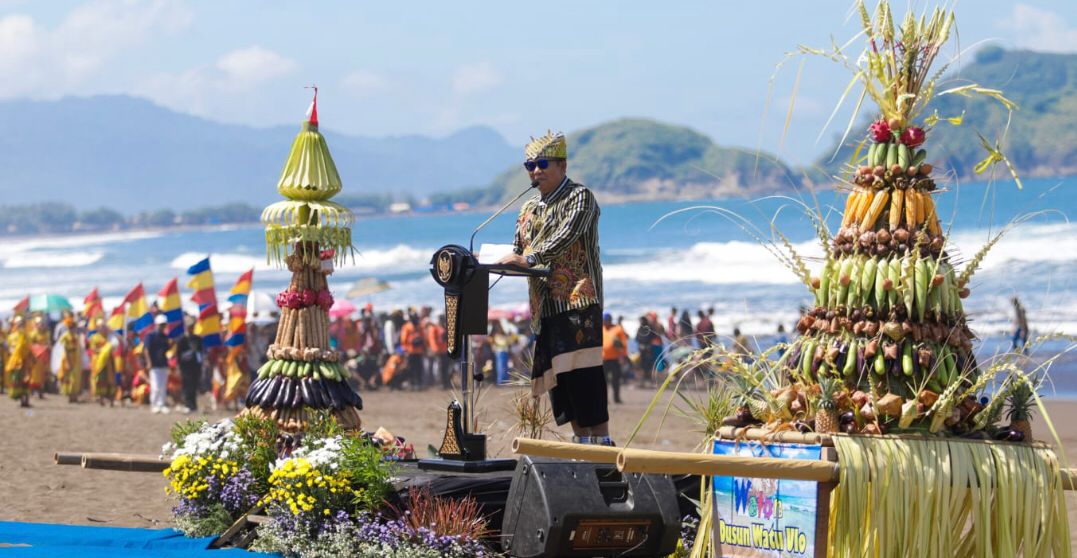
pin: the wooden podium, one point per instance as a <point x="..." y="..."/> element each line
<point x="467" y="285"/>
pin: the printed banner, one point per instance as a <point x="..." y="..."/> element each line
<point x="765" y="517"/>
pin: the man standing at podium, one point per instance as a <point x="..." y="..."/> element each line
<point x="558" y="229"/>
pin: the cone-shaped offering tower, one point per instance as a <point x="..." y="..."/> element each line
<point x="307" y="233"/>
<point x="887" y="347"/>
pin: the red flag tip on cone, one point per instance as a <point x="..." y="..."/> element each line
<point x="312" y="112"/>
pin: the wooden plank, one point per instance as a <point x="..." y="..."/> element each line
<point x="234" y="535"/>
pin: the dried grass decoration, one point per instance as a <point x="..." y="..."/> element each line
<point x="307" y="233"/>
<point x="909" y="497"/>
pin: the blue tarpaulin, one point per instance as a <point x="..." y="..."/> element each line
<point x="81" y="541"/>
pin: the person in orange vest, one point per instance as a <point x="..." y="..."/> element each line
<point x="614" y="352"/>
<point x="438" y="351"/>
<point x="414" y="345"/>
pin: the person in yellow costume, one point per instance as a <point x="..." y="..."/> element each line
<point x="39" y="350"/>
<point x="3" y="357"/>
<point x="237" y="376"/>
<point x="102" y="365"/>
<point x="69" y="373"/>
<point x="17" y="366"/>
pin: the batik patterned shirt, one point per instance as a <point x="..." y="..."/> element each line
<point x="560" y="231"/>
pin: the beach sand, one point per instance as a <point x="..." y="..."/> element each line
<point x="34" y="489"/>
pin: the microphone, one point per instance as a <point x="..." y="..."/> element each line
<point x="471" y="243"/>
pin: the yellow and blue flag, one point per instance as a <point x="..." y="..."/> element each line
<point x="137" y="311"/>
<point x="169" y="303"/>
<point x="209" y="319"/>
<point x="237" y="314"/>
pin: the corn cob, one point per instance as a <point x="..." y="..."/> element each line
<point x="930" y="216"/>
<point x="896" y="205"/>
<point x="910" y="208"/>
<point x="861" y="208"/>
<point x="850" y="202"/>
<point x="876" y="208"/>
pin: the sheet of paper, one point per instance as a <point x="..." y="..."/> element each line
<point x="490" y="253"/>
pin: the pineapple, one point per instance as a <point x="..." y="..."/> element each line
<point x="826" y="415"/>
<point x="1020" y="411"/>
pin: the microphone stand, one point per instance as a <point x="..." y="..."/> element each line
<point x="471" y="243"/>
<point x="467" y="375"/>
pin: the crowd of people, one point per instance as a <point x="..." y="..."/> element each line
<point x="402" y="349"/>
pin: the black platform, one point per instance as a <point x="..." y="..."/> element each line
<point x="462" y="466"/>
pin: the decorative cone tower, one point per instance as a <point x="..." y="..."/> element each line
<point x="887" y="347"/>
<point x="308" y="234"/>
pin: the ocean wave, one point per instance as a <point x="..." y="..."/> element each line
<point x="72" y="241"/>
<point x="400" y="256"/>
<point x="221" y="263"/>
<point x="27" y="260"/>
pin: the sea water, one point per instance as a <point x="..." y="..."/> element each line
<point x="655" y="255"/>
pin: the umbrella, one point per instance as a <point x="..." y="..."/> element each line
<point x="341" y="307"/>
<point x="49" y="303"/>
<point x="367" y="286"/>
<point x="261" y="302"/>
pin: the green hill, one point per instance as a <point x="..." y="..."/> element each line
<point x="634" y="159"/>
<point x="1042" y="139"/>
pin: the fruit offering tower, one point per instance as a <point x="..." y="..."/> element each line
<point x="307" y="233"/>
<point x="887" y="347"/>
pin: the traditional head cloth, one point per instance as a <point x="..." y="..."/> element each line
<point x="550" y="146"/>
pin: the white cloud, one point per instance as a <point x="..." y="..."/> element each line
<point x="45" y="62"/>
<point x="473" y="78"/>
<point x="210" y="89"/>
<point x="1041" y="30"/>
<point x="362" y="83"/>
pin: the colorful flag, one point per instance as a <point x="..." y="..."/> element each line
<point x="22" y="306"/>
<point x="208" y="327"/>
<point x="209" y="320"/>
<point x="237" y="314"/>
<point x="168" y="302"/>
<point x="141" y="320"/>
<point x="115" y="319"/>
<point x="91" y="306"/>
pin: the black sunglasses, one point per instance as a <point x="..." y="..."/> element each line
<point x="539" y="163"/>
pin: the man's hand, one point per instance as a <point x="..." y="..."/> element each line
<point x="514" y="259"/>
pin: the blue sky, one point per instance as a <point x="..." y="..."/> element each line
<point x="391" y="68"/>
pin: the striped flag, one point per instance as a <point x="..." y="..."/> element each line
<point x="115" y="319"/>
<point x="22" y="306"/>
<point x="237" y="314"/>
<point x="137" y="311"/>
<point x="91" y="306"/>
<point x="209" y="320"/>
<point x="168" y="302"/>
<point x="209" y="327"/>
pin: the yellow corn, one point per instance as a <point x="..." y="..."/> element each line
<point x="896" y="207"/>
<point x="873" y="212"/>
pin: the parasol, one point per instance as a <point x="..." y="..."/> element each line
<point x="341" y="307"/>
<point x="367" y="286"/>
<point x="49" y="303"/>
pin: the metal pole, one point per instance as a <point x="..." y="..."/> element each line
<point x="465" y="377"/>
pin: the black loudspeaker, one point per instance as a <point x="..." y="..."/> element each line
<point x="557" y="507"/>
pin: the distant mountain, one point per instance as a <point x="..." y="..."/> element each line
<point x="637" y="159"/>
<point x="1042" y="139"/>
<point x="132" y="155"/>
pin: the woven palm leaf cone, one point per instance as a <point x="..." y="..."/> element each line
<point x="306" y="233"/>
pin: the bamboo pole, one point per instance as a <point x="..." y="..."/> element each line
<point x="63" y="458"/>
<point x="764" y="435"/>
<point x="564" y="450"/>
<point x="704" y="464"/>
<point x="124" y="462"/>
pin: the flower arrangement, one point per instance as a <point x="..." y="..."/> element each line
<point x="207" y="477"/>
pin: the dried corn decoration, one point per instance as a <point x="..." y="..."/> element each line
<point x="946" y="497"/>
<point x="307" y="233"/>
